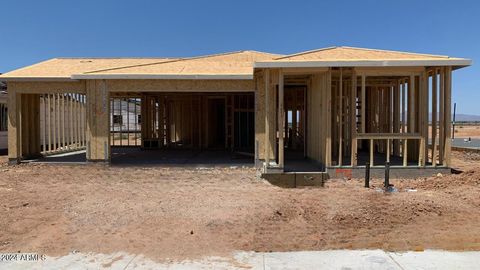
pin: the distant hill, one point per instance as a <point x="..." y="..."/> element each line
<point x="466" y="118"/>
<point x="463" y="117"/>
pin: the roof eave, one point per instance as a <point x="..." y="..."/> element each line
<point x="363" y="63"/>
<point x="36" y="79"/>
<point x="163" y="76"/>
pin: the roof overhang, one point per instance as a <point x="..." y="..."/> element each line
<point x="363" y="63"/>
<point x="163" y="76"/>
<point x="35" y="79"/>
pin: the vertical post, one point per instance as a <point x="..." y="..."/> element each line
<point x="328" y="117"/>
<point x="387" y="176"/>
<point x="281" y="122"/>
<point x="54" y="121"/>
<point x="411" y="102"/>
<point x="396" y="118"/>
<point x="371" y="151"/>
<point x="49" y="121"/>
<point x="353" y="120"/>
<point x="448" y="115"/>
<point x="434" y="116"/>
<point x="13" y="126"/>
<point x="423" y="111"/>
<point x="267" y="122"/>
<point x="453" y="122"/>
<point x="98" y="113"/>
<point x="388" y="150"/>
<point x="363" y="104"/>
<point x="405" y="152"/>
<point x="441" y="132"/>
<point x="404" y="96"/>
<point x="340" y="122"/>
<point x="367" y="175"/>
<point x="44" y="134"/>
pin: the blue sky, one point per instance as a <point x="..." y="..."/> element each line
<point x="32" y="31"/>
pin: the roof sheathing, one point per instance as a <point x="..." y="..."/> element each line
<point x="234" y="65"/>
<point x="349" y="56"/>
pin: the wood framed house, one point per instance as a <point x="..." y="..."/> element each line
<point x="329" y="110"/>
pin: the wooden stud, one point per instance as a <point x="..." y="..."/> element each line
<point x="340" y="123"/>
<point x="363" y="100"/>
<point x="281" y="122"/>
<point x="353" y="117"/>
<point x="372" y="146"/>
<point x="434" y="116"/>
<point x="448" y="115"/>
<point x="441" y="148"/>
<point x="267" y="122"/>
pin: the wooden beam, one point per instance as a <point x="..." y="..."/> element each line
<point x="340" y="122"/>
<point x="328" y="117"/>
<point x="448" y="115"/>
<point x="441" y="148"/>
<point x="353" y="120"/>
<point x="363" y="100"/>
<point x="281" y="122"/>
<point x="434" y="116"/>
<point x="267" y="122"/>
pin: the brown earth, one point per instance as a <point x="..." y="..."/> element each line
<point x="465" y="131"/>
<point x="185" y="213"/>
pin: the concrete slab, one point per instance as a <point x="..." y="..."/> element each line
<point x="328" y="259"/>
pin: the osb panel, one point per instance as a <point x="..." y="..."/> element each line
<point x="65" y="67"/>
<point x="228" y="63"/>
<point x="98" y="112"/>
<point x="260" y="112"/>
<point x="180" y="85"/>
<point x="350" y="53"/>
<point x="46" y="87"/>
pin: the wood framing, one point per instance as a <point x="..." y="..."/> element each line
<point x="338" y="107"/>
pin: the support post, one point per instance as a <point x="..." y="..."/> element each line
<point x="363" y="100"/>
<point x="267" y="123"/>
<point x="448" y="115"/>
<point x="340" y="122"/>
<point x="353" y="120"/>
<point x="98" y="114"/>
<point x="328" y="117"/>
<point x="434" y="116"/>
<point x="281" y="121"/>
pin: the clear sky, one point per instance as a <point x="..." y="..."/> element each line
<point x="32" y="31"/>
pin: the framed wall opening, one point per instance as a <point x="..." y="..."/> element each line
<point x="179" y="128"/>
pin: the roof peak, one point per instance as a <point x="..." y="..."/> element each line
<point x="357" y="48"/>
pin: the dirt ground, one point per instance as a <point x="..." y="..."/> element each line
<point x="466" y="131"/>
<point x="180" y="213"/>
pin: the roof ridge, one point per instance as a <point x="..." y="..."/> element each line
<point x="164" y="62"/>
<point x="306" y="52"/>
<point x="392" y="51"/>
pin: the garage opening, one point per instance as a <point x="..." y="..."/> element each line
<point x="182" y="128"/>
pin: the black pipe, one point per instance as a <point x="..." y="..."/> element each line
<point x="454" y="114"/>
<point x="387" y="175"/>
<point x="367" y="175"/>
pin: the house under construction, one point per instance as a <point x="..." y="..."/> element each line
<point x="330" y="110"/>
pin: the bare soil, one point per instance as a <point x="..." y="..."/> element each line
<point x="180" y="213"/>
<point x="467" y="131"/>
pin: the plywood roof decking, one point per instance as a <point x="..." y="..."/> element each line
<point x="350" y="53"/>
<point x="64" y="68"/>
<point x="349" y="56"/>
<point x="235" y="63"/>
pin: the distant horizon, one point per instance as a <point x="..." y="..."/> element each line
<point x="191" y="28"/>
